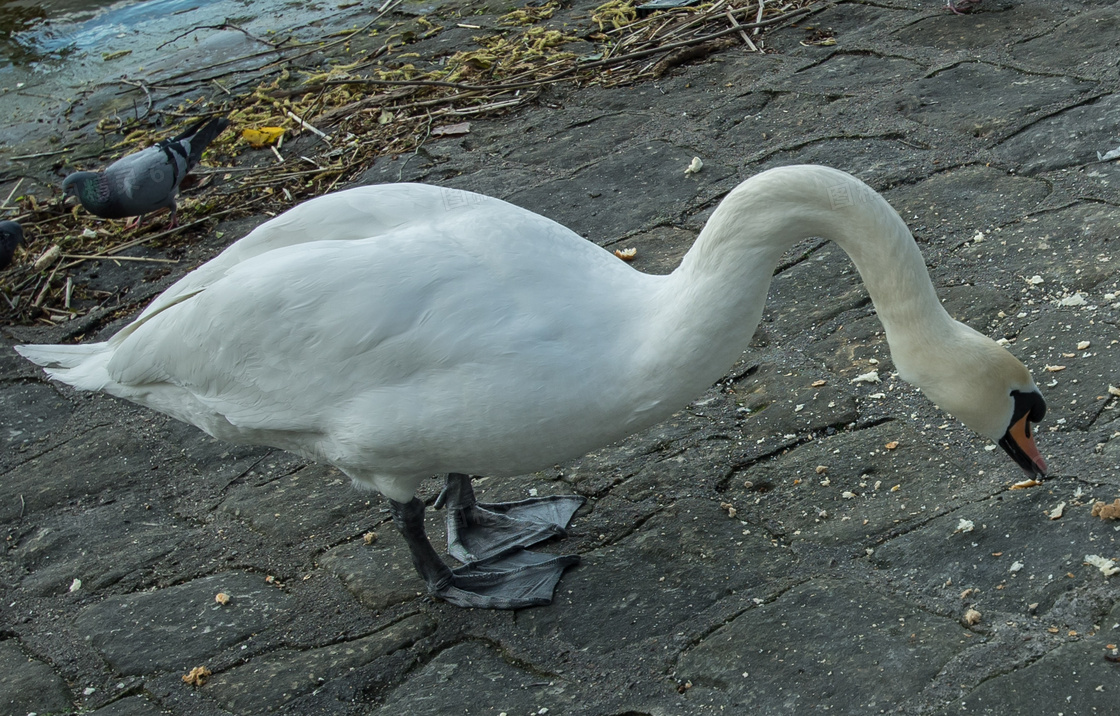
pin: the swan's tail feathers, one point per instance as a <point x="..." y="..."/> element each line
<point x="83" y="366"/>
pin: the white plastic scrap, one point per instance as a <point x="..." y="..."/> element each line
<point x="694" y="166"/>
<point x="1057" y="511"/>
<point x="1109" y="155"/>
<point x="1107" y="566"/>
<point x="1016" y="566"/>
<point x="964" y="526"/>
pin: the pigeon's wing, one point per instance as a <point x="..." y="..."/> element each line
<point x="197" y="138"/>
<point x="147" y="180"/>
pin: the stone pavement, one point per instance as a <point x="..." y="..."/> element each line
<point x="792" y="542"/>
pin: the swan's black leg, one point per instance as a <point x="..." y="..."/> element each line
<point x="409" y="518"/>
<point x="513" y="580"/>
<point x="477" y="531"/>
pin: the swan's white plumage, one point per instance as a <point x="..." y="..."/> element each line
<point x="405" y="330"/>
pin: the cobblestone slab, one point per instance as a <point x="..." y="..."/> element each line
<point x="146" y="632"/>
<point x="28" y="684"/>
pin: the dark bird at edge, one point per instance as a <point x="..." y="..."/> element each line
<point x="11" y="236"/>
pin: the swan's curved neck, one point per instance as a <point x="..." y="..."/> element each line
<point x="720" y="287"/>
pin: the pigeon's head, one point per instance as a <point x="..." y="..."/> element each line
<point x="11" y="236"/>
<point x="72" y="184"/>
<point x="87" y="187"/>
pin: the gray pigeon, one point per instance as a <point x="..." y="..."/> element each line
<point x="11" y="236"/>
<point x="140" y="183"/>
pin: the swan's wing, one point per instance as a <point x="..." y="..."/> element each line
<point x="349" y="215"/>
<point x="285" y="341"/>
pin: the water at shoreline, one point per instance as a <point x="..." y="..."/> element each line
<point x="44" y="32"/>
<point x="56" y="56"/>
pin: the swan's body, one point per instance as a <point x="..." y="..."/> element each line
<point x="399" y="331"/>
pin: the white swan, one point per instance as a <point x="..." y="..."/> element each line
<point x="400" y="331"/>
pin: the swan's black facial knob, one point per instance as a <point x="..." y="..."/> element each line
<point x="1018" y="441"/>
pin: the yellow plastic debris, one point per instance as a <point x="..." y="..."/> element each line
<point x="262" y="136"/>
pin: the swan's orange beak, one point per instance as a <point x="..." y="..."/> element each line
<point x="1019" y="444"/>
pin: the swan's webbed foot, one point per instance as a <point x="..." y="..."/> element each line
<point x="517" y="579"/>
<point x="479" y="530"/>
<point x="513" y="580"/>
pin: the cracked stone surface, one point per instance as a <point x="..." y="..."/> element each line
<point x="790" y="542"/>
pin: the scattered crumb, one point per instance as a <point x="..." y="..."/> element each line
<point x="694" y="166"/>
<point x="731" y="511"/>
<point x="971" y="617"/>
<point x="872" y="377"/>
<point x="967" y="593"/>
<point x="1113" y="390"/>
<point x="1055" y="368"/>
<point x="847" y="495"/>
<point x="1107" y="511"/>
<point x="896" y="488"/>
<point x="892" y="445"/>
<point x="1107" y="566"/>
<point x="822" y="469"/>
<point x="75" y="585"/>
<point x="626" y="254"/>
<point x="818" y="383"/>
<point x="197" y="677"/>
<point x="1024" y="484"/>
<point x="1057" y="511"/>
<point x="1082" y="345"/>
<point x="1016" y="566"/>
<point x="369" y="537"/>
<point x="221" y="598"/>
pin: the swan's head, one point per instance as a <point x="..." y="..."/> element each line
<point x="986" y="388"/>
